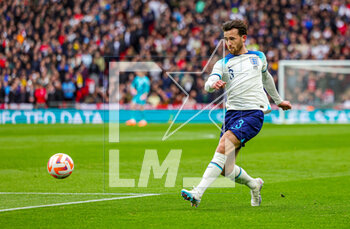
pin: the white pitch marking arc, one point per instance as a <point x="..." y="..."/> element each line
<point x="77" y="202"/>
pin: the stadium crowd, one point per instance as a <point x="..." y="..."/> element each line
<point x="55" y="51"/>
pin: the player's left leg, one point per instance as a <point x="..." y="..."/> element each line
<point x="213" y="170"/>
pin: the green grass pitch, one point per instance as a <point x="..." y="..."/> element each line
<point x="306" y="169"/>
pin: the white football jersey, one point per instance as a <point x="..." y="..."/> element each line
<point x="243" y="77"/>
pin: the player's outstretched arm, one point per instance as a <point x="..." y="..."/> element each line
<point x="214" y="83"/>
<point x="270" y="87"/>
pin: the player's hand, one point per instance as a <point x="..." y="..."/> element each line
<point x="143" y="96"/>
<point x="133" y="91"/>
<point x="219" y="84"/>
<point x="285" y="105"/>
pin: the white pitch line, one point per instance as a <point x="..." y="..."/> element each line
<point x="72" y="193"/>
<point x="76" y="202"/>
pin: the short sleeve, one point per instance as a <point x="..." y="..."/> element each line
<point x="264" y="61"/>
<point x="218" y="69"/>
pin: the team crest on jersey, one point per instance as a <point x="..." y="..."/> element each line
<point x="254" y="61"/>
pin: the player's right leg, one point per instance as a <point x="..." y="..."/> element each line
<point x="143" y="121"/>
<point x="244" y="127"/>
<point x="132" y="120"/>
<point x="239" y="175"/>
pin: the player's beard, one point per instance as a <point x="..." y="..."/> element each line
<point x="237" y="50"/>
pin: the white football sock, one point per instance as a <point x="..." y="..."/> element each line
<point x="239" y="175"/>
<point x="212" y="172"/>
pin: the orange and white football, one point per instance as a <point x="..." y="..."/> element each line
<point x="60" y="166"/>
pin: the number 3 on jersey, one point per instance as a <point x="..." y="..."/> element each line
<point x="230" y="71"/>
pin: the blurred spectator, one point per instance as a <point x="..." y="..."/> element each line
<point x="40" y="95"/>
<point x="68" y="88"/>
<point x="2" y="93"/>
<point x="54" y="94"/>
<point x="153" y="99"/>
<point x="51" y="95"/>
<point x="191" y="98"/>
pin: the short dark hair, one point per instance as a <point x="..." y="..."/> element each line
<point x="235" y="24"/>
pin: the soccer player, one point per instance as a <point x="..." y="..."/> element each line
<point x="140" y="88"/>
<point x="244" y="75"/>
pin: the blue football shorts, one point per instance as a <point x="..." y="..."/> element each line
<point x="244" y="124"/>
